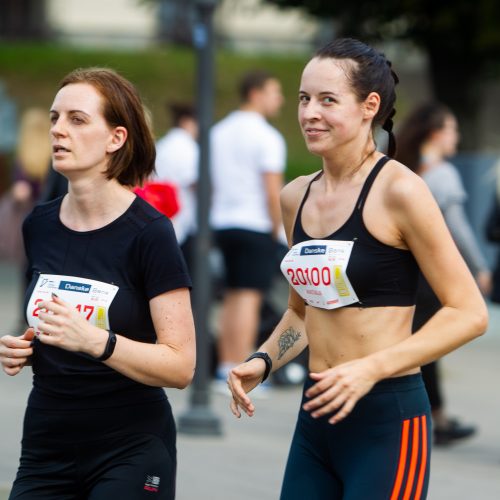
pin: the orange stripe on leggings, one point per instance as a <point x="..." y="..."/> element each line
<point x="423" y="460"/>
<point x="413" y="461"/>
<point x="402" y="460"/>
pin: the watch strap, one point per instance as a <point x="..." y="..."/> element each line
<point x="110" y="346"/>
<point x="267" y="359"/>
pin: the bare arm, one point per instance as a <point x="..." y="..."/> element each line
<point x="463" y="315"/>
<point x="288" y="339"/>
<point x="273" y="184"/>
<point x="168" y="363"/>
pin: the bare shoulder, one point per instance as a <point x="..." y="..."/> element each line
<point x="403" y="188"/>
<point x="292" y="193"/>
<point x="291" y="196"/>
<point x="412" y="207"/>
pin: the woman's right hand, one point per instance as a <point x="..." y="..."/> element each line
<point x="15" y="351"/>
<point x="242" y="380"/>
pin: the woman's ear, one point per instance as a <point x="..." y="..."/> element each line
<point x="371" y="105"/>
<point x="118" y="138"/>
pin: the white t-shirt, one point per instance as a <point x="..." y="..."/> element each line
<point x="244" y="146"/>
<point x="177" y="162"/>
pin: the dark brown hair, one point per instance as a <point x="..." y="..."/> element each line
<point x="372" y="72"/>
<point x="179" y="111"/>
<point x="416" y="129"/>
<point x="254" y="79"/>
<point x="122" y="107"/>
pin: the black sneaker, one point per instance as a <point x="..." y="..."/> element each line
<point x="454" y="430"/>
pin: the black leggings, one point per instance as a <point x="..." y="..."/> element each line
<point x="380" y="451"/>
<point x="121" y="453"/>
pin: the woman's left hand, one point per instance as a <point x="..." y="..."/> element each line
<point x="338" y="389"/>
<point x="61" y="325"/>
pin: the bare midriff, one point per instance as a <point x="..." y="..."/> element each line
<point x="340" y="335"/>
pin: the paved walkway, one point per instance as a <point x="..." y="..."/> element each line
<point x="247" y="462"/>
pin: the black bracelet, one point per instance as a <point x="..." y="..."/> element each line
<point x="110" y="347"/>
<point x="267" y="359"/>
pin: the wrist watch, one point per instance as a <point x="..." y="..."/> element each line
<point x="267" y="360"/>
<point x="110" y="347"/>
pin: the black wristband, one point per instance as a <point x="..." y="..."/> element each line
<point x="110" y="347"/>
<point x="267" y="359"/>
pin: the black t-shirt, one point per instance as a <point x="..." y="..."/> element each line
<point x="139" y="253"/>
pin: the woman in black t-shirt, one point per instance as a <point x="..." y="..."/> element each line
<point x="98" y="423"/>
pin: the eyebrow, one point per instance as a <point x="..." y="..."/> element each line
<point x="71" y="111"/>
<point x="325" y="92"/>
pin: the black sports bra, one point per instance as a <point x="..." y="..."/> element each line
<point x="380" y="275"/>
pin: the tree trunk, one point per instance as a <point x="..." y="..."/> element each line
<point x="23" y="19"/>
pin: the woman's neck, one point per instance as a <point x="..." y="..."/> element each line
<point x="347" y="165"/>
<point x="94" y="203"/>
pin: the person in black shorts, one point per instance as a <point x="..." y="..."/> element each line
<point x="109" y="307"/>
<point x="359" y="231"/>
<point x="248" y="161"/>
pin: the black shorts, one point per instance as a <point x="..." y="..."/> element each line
<point x="120" y="453"/>
<point x="250" y="258"/>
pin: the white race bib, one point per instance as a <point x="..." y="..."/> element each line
<point x="317" y="271"/>
<point x="91" y="298"/>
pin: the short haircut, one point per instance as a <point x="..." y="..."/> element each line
<point x="179" y="111"/>
<point x="255" y="79"/>
<point x="133" y="163"/>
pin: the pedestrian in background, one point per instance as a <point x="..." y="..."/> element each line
<point x="248" y="161"/>
<point x="492" y="233"/>
<point x="359" y="231"/>
<point x="33" y="155"/>
<point x="8" y="134"/>
<point x="177" y="159"/>
<point x="109" y="309"/>
<point x="30" y="166"/>
<point x="426" y="139"/>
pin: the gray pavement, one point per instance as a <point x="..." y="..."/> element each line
<point x="247" y="462"/>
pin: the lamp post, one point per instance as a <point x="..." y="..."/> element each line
<point x="199" y="419"/>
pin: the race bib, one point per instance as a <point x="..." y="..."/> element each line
<point x="91" y="298"/>
<point x="317" y="271"/>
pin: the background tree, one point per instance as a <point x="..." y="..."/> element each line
<point x="23" y="19"/>
<point x="460" y="38"/>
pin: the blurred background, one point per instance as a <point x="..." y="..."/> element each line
<point x="444" y="50"/>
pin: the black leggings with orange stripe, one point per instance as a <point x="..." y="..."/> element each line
<point x="380" y="451"/>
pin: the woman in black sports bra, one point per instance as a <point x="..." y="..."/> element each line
<point x="359" y="230"/>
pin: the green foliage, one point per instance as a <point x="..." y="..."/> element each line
<point x="460" y="37"/>
<point x="32" y="72"/>
<point x="462" y="26"/>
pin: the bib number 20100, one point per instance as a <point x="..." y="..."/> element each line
<point x="310" y="276"/>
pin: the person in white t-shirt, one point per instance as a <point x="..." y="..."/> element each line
<point x="177" y="162"/>
<point x="248" y="161"/>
